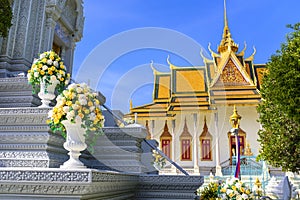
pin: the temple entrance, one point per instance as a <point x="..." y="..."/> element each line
<point x="233" y="145"/>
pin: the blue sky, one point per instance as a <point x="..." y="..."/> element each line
<point x="122" y="37"/>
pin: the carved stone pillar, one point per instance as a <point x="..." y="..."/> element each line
<point x="195" y="146"/>
<point x="218" y="166"/>
<point x="174" y="156"/>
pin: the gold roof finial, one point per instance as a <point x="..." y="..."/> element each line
<point x="130" y="104"/>
<point x="227" y="42"/>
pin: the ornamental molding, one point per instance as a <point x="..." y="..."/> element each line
<point x="24" y="163"/>
<point x="23" y="128"/>
<point x="24" y="111"/>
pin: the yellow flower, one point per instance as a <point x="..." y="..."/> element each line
<point x="223" y="190"/>
<point x="51" y="57"/>
<point x="68" y="103"/>
<point x="61" y="72"/>
<point x="93" y="129"/>
<point x="242" y="189"/>
<point x="80" y="115"/>
<point x="90" y="103"/>
<point x="61" y="79"/>
<point x="234" y="188"/>
<point x="42" y="72"/>
<point x="247" y="191"/>
<point x="62" y="66"/>
<point x="56" y="121"/>
<point x="86" y="111"/>
<point x="44" y="60"/>
<point x="40" y="65"/>
<point x="231" y="194"/>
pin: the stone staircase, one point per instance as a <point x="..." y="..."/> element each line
<point x="30" y="157"/>
<point x="16" y="92"/>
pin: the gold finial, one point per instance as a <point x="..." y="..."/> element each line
<point x="225" y="14"/>
<point x="235" y="119"/>
<point x="130" y="104"/>
<point x="227" y="42"/>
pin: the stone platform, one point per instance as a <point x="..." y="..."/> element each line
<point x="30" y="156"/>
<point x="42" y="184"/>
<point x="18" y="183"/>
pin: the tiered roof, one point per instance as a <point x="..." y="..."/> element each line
<point x="226" y="78"/>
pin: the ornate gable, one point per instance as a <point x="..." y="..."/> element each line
<point x="231" y="76"/>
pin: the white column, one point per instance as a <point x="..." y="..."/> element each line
<point x="195" y="146"/>
<point x="218" y="166"/>
<point x="173" y="169"/>
<point x="152" y="128"/>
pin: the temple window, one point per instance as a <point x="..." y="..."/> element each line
<point x="166" y="141"/>
<point x="186" y="143"/>
<point x="205" y="142"/>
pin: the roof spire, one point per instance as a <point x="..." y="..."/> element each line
<point x="225" y="15"/>
<point x="227" y="42"/>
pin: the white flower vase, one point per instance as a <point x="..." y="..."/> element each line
<point x="75" y="142"/>
<point x="46" y="93"/>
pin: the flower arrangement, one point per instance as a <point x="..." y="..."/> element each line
<point x="232" y="189"/>
<point x="49" y="68"/>
<point x="78" y="104"/>
<point x="236" y="190"/>
<point x="209" y="192"/>
<point x="159" y="161"/>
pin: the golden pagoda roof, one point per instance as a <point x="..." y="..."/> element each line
<point x="227" y="78"/>
<point x="227" y="43"/>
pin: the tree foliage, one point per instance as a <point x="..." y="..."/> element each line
<point x="280" y="107"/>
<point x="5" y="17"/>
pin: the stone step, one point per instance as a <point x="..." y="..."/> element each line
<point x="25" y="140"/>
<point x="16" y="92"/>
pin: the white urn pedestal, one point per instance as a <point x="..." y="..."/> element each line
<point x="75" y="143"/>
<point x="46" y="93"/>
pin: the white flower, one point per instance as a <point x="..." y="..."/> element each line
<point x="58" y="76"/>
<point x="49" y="62"/>
<point x="45" y="67"/>
<point x="92" y="108"/>
<point x="92" y="116"/>
<point x="75" y="106"/>
<point x="67" y="81"/>
<point x="66" y="109"/>
<point x="79" y="90"/>
<point x="55" y="63"/>
<point x="36" y="74"/>
<point x="53" y="78"/>
<point x="245" y="196"/>
<point x="81" y="96"/>
<point x="43" y="55"/>
<point x="70" y="115"/>
<point x="72" y="86"/>
<point x="83" y="101"/>
<point x="229" y="191"/>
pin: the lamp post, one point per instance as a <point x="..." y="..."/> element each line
<point x="235" y="119"/>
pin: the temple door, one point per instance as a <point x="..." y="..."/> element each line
<point x="233" y="145"/>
